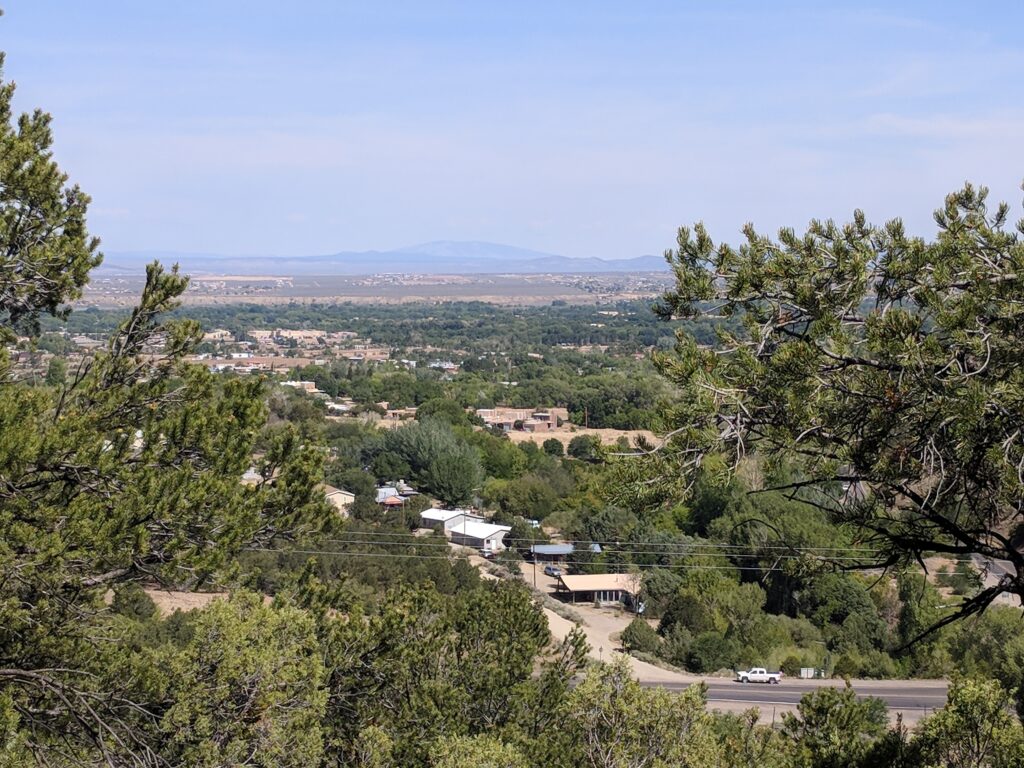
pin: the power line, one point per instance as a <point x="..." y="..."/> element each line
<point x="444" y="545"/>
<point x="716" y="548"/>
<point x="706" y="548"/>
<point x="705" y="544"/>
<point x="419" y="556"/>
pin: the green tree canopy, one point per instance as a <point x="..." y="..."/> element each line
<point x="585" y="447"/>
<point x="248" y="689"/>
<point x="610" y="721"/>
<point x="975" y="728"/>
<point x="553" y="447"/>
<point x="887" y="369"/>
<point x="128" y="469"/>
<point x="834" y="729"/>
<point x="446" y="466"/>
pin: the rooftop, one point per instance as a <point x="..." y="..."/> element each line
<point x="602" y="582"/>
<point x="444" y="515"/>
<point x="385" y="492"/>
<point x="552" y="549"/>
<point x="479" y="530"/>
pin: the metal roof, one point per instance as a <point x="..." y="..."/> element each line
<point x="443" y="515"/>
<point x="552" y="549"/>
<point x="478" y="530"/>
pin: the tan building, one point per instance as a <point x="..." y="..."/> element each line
<point x="339" y="498"/>
<point x="304" y="338"/>
<point x="529" y="419"/>
<point x="304" y="386"/>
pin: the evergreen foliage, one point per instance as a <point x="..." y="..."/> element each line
<point x="882" y="372"/>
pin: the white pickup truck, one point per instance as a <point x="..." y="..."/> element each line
<point x="759" y="675"/>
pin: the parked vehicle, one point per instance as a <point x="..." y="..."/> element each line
<point x="552" y="570"/>
<point x="633" y="604"/>
<point x="759" y="675"/>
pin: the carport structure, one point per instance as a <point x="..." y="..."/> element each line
<point x="551" y="553"/>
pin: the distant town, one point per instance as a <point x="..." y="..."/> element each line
<point x="107" y="290"/>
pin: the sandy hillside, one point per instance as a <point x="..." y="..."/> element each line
<point x="564" y="435"/>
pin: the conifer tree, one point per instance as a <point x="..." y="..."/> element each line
<point x="884" y="372"/>
<point x="128" y="469"/>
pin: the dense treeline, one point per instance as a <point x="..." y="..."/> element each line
<point x="304" y="687"/>
<point x="598" y="392"/>
<point x="508" y="356"/>
<point x="628" y="326"/>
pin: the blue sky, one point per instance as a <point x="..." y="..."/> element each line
<point x="579" y="128"/>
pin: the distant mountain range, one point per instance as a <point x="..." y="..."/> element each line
<point x="441" y="257"/>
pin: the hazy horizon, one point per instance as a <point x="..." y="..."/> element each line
<point x="581" y="130"/>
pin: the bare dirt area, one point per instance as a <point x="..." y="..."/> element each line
<point x="565" y="434"/>
<point x="167" y="601"/>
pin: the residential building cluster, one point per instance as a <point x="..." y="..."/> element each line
<point x="466" y="529"/>
<point x="524" y="419"/>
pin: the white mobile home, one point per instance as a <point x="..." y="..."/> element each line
<point x="480" y="535"/>
<point x="445" y="519"/>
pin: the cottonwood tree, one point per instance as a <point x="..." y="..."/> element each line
<point x="128" y="470"/>
<point x="884" y="371"/>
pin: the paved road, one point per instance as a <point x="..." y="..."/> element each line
<point x="909" y="699"/>
<point x="912" y="698"/>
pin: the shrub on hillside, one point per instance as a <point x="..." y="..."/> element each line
<point x="640" y="636"/>
<point x="676" y="647"/>
<point x="791" y="666"/>
<point x="131" y="600"/>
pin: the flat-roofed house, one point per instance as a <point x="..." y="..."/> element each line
<point x="536" y="425"/>
<point x="603" y="588"/>
<point x="486" y="537"/>
<point x="303" y="386"/>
